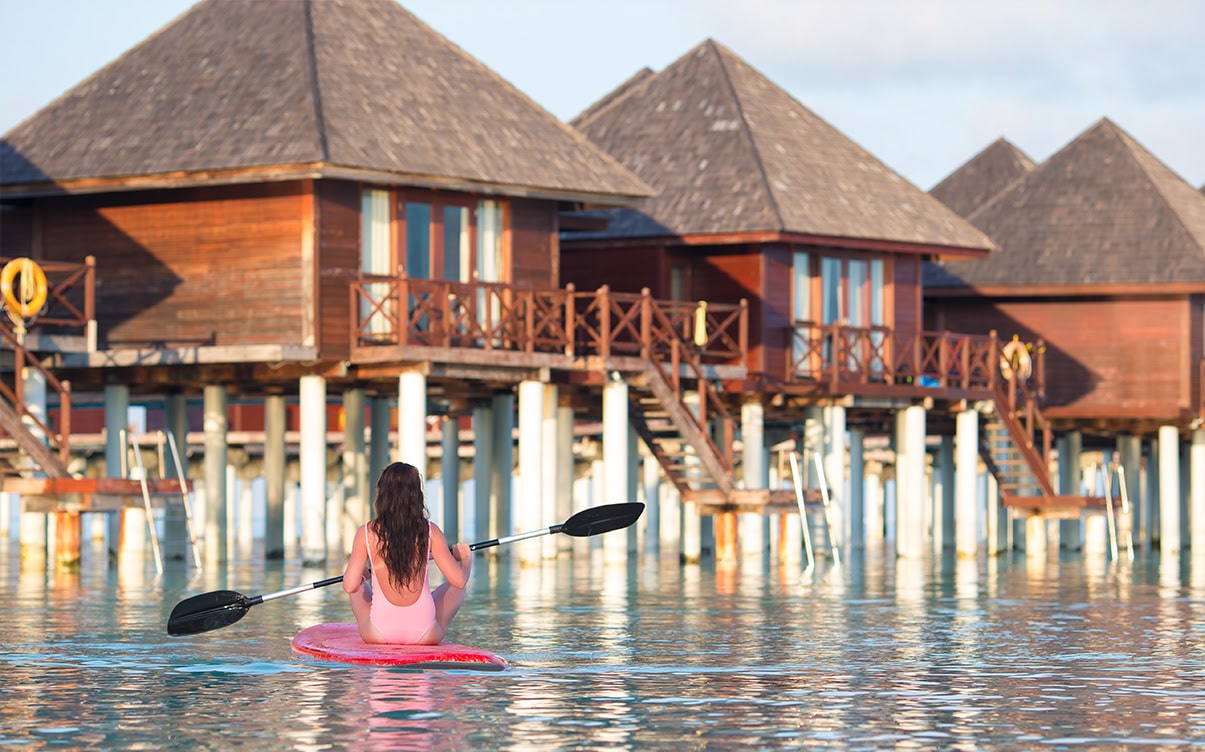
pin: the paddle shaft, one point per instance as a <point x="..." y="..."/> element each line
<point x="515" y="537"/>
<point x="257" y="599"/>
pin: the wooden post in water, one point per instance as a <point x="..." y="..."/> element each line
<point x="966" y="483"/>
<point x="1196" y="492"/>
<point x="725" y="537"/>
<point x="615" y="458"/>
<point x="910" y="493"/>
<point x="312" y="451"/>
<point x="67" y="540"/>
<point x="751" y="540"/>
<point x="216" y="423"/>
<point x="531" y="457"/>
<point x="1169" y="490"/>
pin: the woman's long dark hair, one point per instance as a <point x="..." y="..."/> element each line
<point x="401" y="523"/>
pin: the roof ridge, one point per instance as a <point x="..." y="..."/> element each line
<point x="311" y="54"/>
<point x="1034" y="168"/>
<point x="1139" y="154"/>
<point x="616" y="95"/>
<point x="562" y="125"/>
<point x="747" y="131"/>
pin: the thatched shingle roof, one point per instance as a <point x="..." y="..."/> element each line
<point x="1102" y="211"/>
<point x="730" y="152"/>
<point x="351" y="87"/>
<point x="982" y="177"/>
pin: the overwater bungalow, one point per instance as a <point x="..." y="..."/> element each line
<point x="982" y="177"/>
<point x="760" y="199"/>
<point x="264" y="205"/>
<point x="1102" y="259"/>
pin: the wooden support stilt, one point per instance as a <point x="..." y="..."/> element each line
<point x="67" y="540"/>
<point x="725" y="536"/>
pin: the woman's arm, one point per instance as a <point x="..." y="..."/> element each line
<point x="455" y="565"/>
<point x="357" y="569"/>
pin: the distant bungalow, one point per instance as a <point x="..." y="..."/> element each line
<point x="1102" y="258"/>
<point x="983" y="177"/>
<point x="759" y="198"/>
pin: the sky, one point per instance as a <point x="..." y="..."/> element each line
<point x="923" y="85"/>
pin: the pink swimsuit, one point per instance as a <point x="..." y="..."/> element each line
<point x="404" y="625"/>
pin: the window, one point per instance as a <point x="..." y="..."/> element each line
<point x="418" y="240"/>
<point x="801" y="307"/>
<point x="852" y="294"/>
<point x="490" y="261"/>
<point x="453" y="237"/>
<point x="376" y="258"/>
<point x="457" y="252"/>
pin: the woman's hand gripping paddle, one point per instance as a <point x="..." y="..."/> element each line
<point x="221" y="608"/>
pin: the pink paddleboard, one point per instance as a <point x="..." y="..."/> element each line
<point x="340" y="641"/>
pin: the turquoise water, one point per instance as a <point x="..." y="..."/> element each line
<point x="876" y="654"/>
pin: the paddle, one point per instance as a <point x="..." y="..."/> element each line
<point x="221" y="608"/>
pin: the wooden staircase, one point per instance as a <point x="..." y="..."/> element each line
<point x="34" y="453"/>
<point x="69" y="308"/>
<point x="692" y="443"/>
<point x="677" y="438"/>
<point x="1015" y="444"/>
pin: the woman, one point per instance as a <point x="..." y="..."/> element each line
<point x="398" y="606"/>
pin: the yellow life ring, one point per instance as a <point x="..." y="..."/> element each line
<point x="28" y="298"/>
<point x="1015" y="360"/>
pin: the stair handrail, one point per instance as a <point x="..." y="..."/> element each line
<point x="1007" y="392"/>
<point x="682" y="353"/>
<point x="16" y="396"/>
<point x="1017" y="392"/>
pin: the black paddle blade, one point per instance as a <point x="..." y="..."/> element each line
<point x="207" y="611"/>
<point x="602" y="519"/>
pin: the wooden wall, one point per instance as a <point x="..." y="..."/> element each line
<point x="624" y="269"/>
<point x="198" y="266"/>
<point x="728" y="277"/>
<point x="16" y="230"/>
<point x="905" y="295"/>
<point x="535" y="249"/>
<point x="1105" y="358"/>
<point x="337" y="224"/>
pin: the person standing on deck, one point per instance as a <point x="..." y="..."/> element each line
<point x="386" y="576"/>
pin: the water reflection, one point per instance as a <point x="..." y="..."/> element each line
<point x="881" y="652"/>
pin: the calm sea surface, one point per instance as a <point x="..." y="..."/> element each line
<point x="875" y="654"/>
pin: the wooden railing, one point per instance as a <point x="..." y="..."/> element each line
<point x="34" y="425"/>
<point x="844" y="356"/>
<point x="70" y="304"/>
<point x="678" y="340"/>
<point x="71" y="296"/>
<point x="399" y="311"/>
<point x="667" y="328"/>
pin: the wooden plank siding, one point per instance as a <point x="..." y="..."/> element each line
<point x="17" y="231"/>
<point x="771" y="346"/>
<point x="197" y="266"/>
<point x="535" y="248"/>
<point x="905" y="296"/>
<point x="623" y="269"/>
<point x="337" y="222"/>
<point x="727" y="274"/>
<point x="1196" y="351"/>
<point x="1105" y="358"/>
